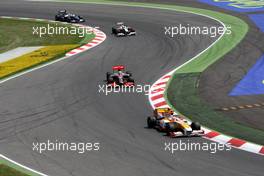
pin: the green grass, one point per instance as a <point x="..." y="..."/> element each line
<point x="183" y="96"/>
<point x="17" y="33"/>
<point x="8" y="171"/>
<point x="7" y="37"/>
<point x="183" y="88"/>
<point x="238" y="27"/>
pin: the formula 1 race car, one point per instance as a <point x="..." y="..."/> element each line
<point x="164" y="120"/>
<point x="122" y="30"/>
<point x="64" y="16"/>
<point x="119" y="78"/>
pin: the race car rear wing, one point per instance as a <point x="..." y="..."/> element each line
<point x="118" y="67"/>
<point x="119" y="23"/>
<point x="163" y="110"/>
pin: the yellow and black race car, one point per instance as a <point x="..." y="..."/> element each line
<point x="165" y="120"/>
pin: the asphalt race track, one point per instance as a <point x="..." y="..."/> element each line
<point x="62" y="102"/>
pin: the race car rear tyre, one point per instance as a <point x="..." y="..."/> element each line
<point x="108" y="75"/>
<point x="195" y="126"/>
<point x="130" y="80"/>
<point x="111" y="80"/>
<point x="151" y="122"/>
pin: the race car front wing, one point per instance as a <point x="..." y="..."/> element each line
<point x="193" y="133"/>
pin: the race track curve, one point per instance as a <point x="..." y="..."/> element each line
<point x="62" y="102"/>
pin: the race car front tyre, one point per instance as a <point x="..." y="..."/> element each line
<point x="170" y="127"/>
<point x="114" y="31"/>
<point x="195" y="126"/>
<point x="129" y="73"/>
<point x="151" y="122"/>
<point x="130" y="80"/>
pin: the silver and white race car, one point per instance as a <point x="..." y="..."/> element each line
<point x="120" y="29"/>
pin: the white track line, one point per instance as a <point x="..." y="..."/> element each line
<point x="221" y="138"/>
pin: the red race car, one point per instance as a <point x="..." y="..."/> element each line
<point x="119" y="77"/>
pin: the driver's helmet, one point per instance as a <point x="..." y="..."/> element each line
<point x="165" y="114"/>
<point x="63" y="11"/>
<point x="122" y="26"/>
<point x="120" y="72"/>
<point x="168" y="114"/>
